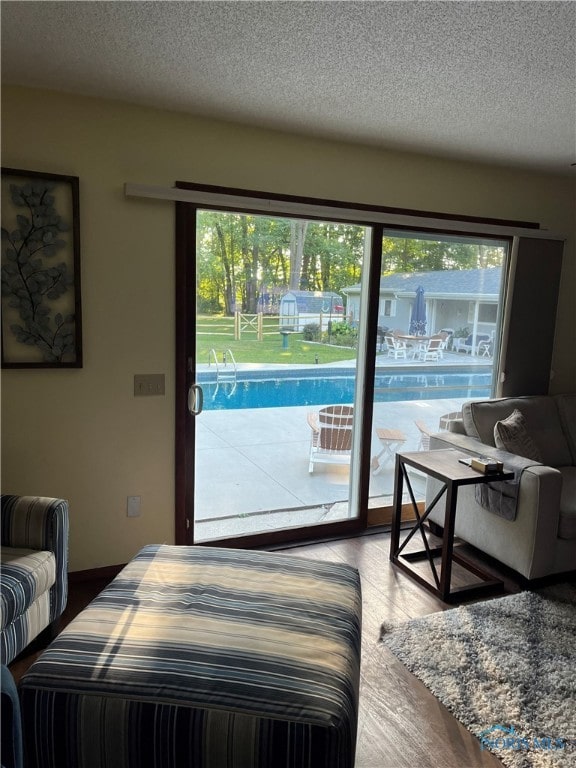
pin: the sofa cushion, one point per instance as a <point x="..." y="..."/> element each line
<point x="542" y="423"/>
<point x="567" y="523"/>
<point x="26" y="574"/>
<point x="511" y="435"/>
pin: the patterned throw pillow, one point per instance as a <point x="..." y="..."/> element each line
<point x="511" y="435"/>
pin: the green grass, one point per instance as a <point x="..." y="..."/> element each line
<point x="216" y="332"/>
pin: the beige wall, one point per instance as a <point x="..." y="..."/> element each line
<point x="81" y="434"/>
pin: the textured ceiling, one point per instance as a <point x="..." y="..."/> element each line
<point x="489" y="81"/>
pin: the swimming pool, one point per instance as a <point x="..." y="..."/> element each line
<point x="278" y="389"/>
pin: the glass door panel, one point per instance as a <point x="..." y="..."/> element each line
<point x="276" y="357"/>
<point x="437" y="344"/>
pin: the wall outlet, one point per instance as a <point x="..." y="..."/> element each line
<point x="133" y="506"/>
<point x="149" y="384"/>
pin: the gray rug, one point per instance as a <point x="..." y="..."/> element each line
<point x="505" y="668"/>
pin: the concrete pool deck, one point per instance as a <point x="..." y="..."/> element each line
<point x="252" y="464"/>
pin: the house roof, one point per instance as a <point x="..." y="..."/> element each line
<point x="441" y="284"/>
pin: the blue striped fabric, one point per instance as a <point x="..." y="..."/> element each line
<point x="34" y="576"/>
<point x="204" y="657"/>
<point x="26" y="574"/>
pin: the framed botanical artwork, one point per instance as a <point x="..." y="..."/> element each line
<point x="41" y="310"/>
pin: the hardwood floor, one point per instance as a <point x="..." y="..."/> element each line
<point x="401" y="724"/>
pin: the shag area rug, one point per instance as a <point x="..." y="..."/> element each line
<point x="505" y="668"/>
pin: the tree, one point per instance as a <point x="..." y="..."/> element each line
<point x="249" y="257"/>
<point x="227" y="257"/>
<point x="417" y="254"/>
<point x="298" y="229"/>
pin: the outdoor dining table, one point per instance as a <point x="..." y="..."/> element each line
<point x="408" y="337"/>
<point x="412" y="341"/>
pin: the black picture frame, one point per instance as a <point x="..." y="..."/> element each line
<point x="40" y="265"/>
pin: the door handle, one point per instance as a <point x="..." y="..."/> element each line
<point x="195" y="400"/>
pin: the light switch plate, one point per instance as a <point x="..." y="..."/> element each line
<point x="133" y="506"/>
<point x="149" y="384"/>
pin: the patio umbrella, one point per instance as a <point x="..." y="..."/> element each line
<point x="418" y="318"/>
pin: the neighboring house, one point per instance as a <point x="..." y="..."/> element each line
<point x="456" y="299"/>
<point x="297" y="308"/>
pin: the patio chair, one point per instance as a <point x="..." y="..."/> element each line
<point x="445" y="335"/>
<point x="431" y="350"/>
<point x="448" y="333"/>
<point x="466" y="345"/>
<point x="395" y="347"/>
<point x="331" y="439"/>
<point x="485" y="347"/>
<point x="380" y="334"/>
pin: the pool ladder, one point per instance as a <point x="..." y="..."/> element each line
<point x="226" y="371"/>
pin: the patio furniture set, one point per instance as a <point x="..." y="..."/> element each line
<point x="331" y="437"/>
<point x="401" y="345"/>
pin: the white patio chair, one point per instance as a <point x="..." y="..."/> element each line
<point x="431" y="350"/>
<point x="395" y="347"/>
<point x="447" y="334"/>
<point x="466" y="345"/>
<point x="331" y="439"/>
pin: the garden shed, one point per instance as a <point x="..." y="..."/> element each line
<point x="299" y="308"/>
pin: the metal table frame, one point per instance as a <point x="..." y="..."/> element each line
<point x="444" y="466"/>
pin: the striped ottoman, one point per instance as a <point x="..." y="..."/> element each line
<point x="206" y="658"/>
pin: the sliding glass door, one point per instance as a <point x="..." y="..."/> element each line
<point x="312" y="349"/>
<point x="278" y="369"/>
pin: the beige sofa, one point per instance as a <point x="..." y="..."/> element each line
<point x="541" y="538"/>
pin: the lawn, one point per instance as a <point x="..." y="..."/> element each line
<point x="217" y="332"/>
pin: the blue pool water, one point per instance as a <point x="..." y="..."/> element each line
<point x="277" y="389"/>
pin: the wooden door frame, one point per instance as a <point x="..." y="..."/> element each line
<point x="185" y="351"/>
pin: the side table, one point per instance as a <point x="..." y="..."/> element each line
<point x="443" y="465"/>
<point x="390" y="440"/>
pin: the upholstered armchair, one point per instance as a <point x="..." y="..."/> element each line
<point x="34" y="574"/>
